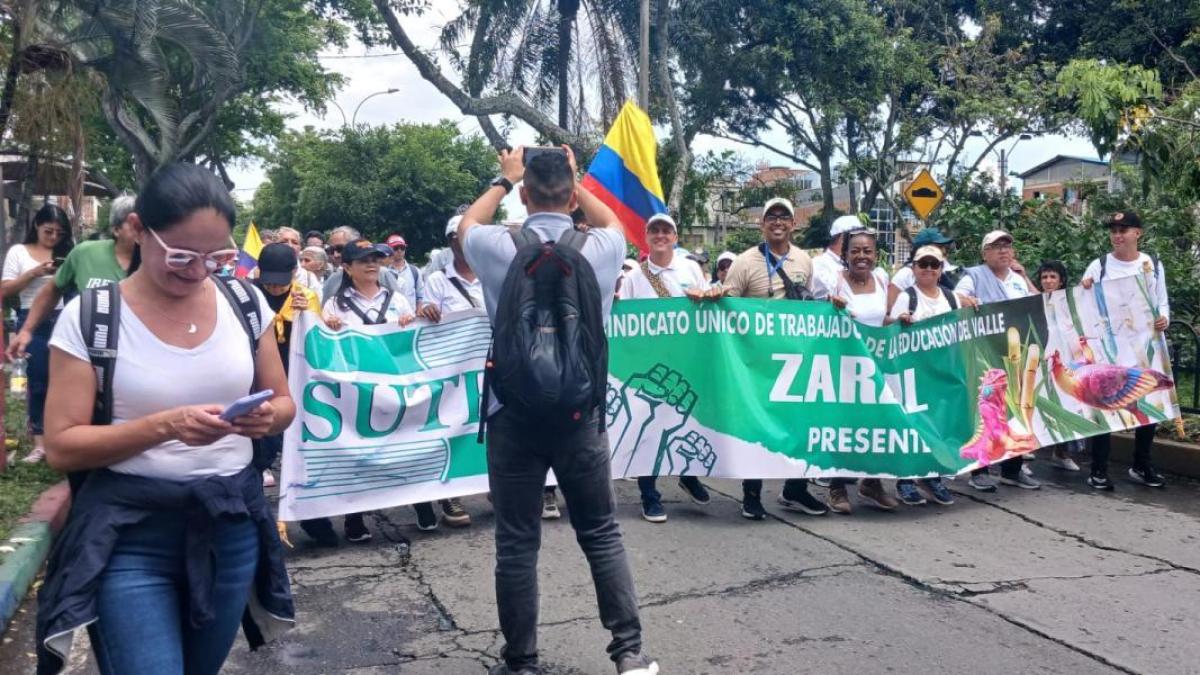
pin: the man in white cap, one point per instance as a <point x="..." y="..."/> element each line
<point x="829" y="264"/>
<point x="724" y="262"/>
<point x="775" y="269"/>
<point x="1001" y="277"/>
<point x="454" y="288"/>
<point x="668" y="272"/>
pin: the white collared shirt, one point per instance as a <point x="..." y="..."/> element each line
<point x="827" y="271"/>
<point x="441" y="293"/>
<point x="373" y="307"/>
<point x="678" y="276"/>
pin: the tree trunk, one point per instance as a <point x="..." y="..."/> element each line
<point x="77" y="178"/>
<point x="567" y="11"/>
<point x="852" y="158"/>
<point x="10" y="78"/>
<point x="826" y="173"/>
<point x="25" y="203"/>
<point x="681" y="139"/>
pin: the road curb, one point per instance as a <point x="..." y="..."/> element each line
<point x="1182" y="459"/>
<point x="31" y="540"/>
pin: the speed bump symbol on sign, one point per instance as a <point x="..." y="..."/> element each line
<point x="924" y="194"/>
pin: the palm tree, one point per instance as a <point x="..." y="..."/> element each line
<point x="168" y="66"/>
<point x="530" y="46"/>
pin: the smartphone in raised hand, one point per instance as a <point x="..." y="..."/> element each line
<point x="535" y="150"/>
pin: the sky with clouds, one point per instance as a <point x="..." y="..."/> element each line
<point x="370" y="71"/>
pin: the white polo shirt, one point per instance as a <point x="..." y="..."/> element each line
<point x="441" y="292"/>
<point x="678" y="276"/>
<point x="373" y="308"/>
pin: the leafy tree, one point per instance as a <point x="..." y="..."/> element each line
<point x="408" y="177"/>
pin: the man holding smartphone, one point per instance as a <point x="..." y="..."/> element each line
<point x="520" y="450"/>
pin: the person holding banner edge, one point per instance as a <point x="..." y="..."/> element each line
<point x="862" y="289"/>
<point x="926" y="298"/>
<point x="1125" y="260"/>
<point x="779" y="270"/>
<point x="520" y="452"/>
<point x="1001" y="277"/>
<point x="666" y="273"/>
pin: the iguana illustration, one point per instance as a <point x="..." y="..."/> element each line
<point x="994" y="437"/>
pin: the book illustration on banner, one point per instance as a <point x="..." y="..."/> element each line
<point x="656" y="405"/>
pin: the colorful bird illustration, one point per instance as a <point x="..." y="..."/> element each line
<point x="1108" y="387"/>
<point x="994" y="438"/>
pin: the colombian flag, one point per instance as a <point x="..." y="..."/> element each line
<point x="248" y="257"/>
<point x="624" y="173"/>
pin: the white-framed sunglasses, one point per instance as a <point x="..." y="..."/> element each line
<point x="181" y="258"/>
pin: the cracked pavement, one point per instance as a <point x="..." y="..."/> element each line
<point x="1061" y="580"/>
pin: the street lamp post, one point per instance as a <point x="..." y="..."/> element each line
<point x="1004" y="156"/>
<point x="354" y="117"/>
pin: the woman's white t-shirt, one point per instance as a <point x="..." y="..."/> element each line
<point x="868" y="308"/>
<point x="926" y="306"/>
<point x="17" y="262"/>
<point x="152" y="376"/>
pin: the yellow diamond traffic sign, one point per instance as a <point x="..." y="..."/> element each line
<point x="924" y="194"/>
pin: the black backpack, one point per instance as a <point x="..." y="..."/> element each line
<point x="549" y="356"/>
<point x="791" y="289"/>
<point x="100" y="322"/>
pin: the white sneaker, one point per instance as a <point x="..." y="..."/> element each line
<point x="1064" y="463"/>
<point x="268" y="479"/>
<point x="36" y="455"/>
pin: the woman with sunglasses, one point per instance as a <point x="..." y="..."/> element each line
<point x="27" y="268"/>
<point x="861" y="288"/>
<point x="170" y="540"/>
<point x="925" y="299"/>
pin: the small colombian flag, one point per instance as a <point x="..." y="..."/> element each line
<point x="624" y="173"/>
<point x="248" y="257"/>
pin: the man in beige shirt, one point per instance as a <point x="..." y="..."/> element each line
<point x="775" y="269"/>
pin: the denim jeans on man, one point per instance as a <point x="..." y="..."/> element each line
<point x="519" y="453"/>
<point x="143" y="622"/>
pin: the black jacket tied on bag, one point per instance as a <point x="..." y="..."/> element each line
<point x="107" y="502"/>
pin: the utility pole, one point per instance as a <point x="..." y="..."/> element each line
<point x="1004" y="172"/>
<point x="644" y="60"/>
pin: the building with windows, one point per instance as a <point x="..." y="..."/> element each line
<point x="1061" y="178"/>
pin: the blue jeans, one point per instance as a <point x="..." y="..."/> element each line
<point x="143" y="624"/>
<point x="37" y="368"/>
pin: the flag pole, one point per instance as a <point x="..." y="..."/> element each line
<point x="644" y="58"/>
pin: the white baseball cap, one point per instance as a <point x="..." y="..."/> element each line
<point x="934" y="252"/>
<point x="452" y="225"/>
<point x="779" y="201"/>
<point x="726" y="255"/>
<point x="844" y="224"/>
<point x="662" y="218"/>
<point x="995" y="236"/>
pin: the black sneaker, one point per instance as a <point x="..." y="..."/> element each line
<point x="427" y="520"/>
<point x="1146" y="476"/>
<point x="356" y="529"/>
<point x="752" y="508"/>
<point x="695" y="490"/>
<point x="636" y="664"/>
<point x="803" y="502"/>
<point x="1100" y="483"/>
<point x="322" y="532"/>
<point x="653" y="511"/>
<point x="502" y="669"/>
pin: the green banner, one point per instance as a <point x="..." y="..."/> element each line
<point x="739" y="388"/>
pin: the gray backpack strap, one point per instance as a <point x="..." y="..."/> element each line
<point x="573" y="239"/>
<point x="523" y="237"/>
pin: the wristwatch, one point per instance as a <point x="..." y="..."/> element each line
<point x="503" y="182"/>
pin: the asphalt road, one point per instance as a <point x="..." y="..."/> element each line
<point x="1059" y="580"/>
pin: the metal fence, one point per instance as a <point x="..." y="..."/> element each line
<point x="1183" y="346"/>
